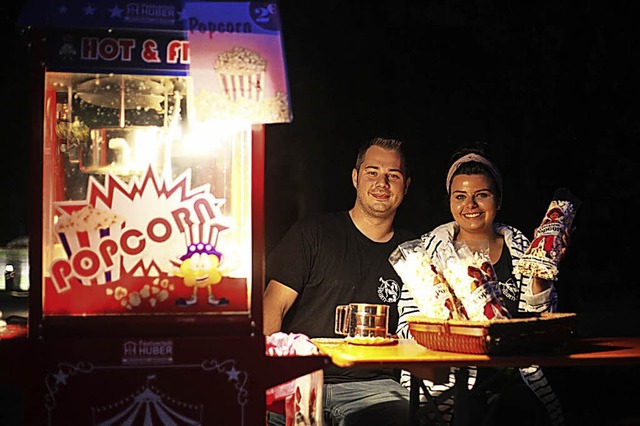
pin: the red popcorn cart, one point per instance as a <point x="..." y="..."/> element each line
<point x="146" y="211"/>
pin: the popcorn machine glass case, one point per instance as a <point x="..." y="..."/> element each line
<point x="149" y="142"/>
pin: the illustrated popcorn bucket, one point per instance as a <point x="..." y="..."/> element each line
<point x="241" y="73"/>
<point x="81" y="234"/>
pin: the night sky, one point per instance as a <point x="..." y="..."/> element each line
<point x="13" y="160"/>
<point x="551" y="86"/>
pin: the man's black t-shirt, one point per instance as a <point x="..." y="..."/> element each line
<point x="329" y="262"/>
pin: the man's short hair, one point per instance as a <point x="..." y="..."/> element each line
<point x="384" y="143"/>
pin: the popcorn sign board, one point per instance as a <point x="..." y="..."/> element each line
<point x="149" y="245"/>
<point x="237" y="63"/>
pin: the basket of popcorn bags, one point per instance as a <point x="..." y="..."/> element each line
<point x="460" y="309"/>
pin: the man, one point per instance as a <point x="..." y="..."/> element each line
<point x="341" y="258"/>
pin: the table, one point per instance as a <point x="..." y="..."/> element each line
<point x="410" y="355"/>
<point x="427" y="364"/>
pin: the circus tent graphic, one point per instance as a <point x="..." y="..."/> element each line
<point x="148" y="407"/>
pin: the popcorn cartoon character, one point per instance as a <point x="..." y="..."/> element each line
<point x="199" y="269"/>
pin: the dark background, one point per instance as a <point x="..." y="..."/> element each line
<point x="552" y="86"/>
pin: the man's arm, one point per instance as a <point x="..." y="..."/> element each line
<point x="278" y="298"/>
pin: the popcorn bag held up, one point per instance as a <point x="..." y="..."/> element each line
<point x="543" y="255"/>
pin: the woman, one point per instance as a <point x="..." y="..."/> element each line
<point x="474" y="187"/>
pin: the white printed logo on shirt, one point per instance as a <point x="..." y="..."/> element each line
<point x="388" y="290"/>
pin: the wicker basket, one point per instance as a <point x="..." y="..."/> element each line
<point x="526" y="333"/>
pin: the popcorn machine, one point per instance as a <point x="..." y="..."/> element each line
<point x="146" y="227"/>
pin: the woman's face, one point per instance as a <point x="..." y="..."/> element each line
<point x="473" y="203"/>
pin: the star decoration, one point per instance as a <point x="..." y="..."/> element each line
<point x="116" y="12"/>
<point x="233" y="374"/>
<point x="61" y="377"/>
<point x="89" y="10"/>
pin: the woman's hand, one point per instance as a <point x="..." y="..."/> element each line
<point x="539" y="285"/>
<point x="566" y="239"/>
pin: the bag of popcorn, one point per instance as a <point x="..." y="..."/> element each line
<point x="426" y="284"/>
<point x="542" y="257"/>
<point x="470" y="274"/>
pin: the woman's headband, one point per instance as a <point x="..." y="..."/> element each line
<point x="477" y="158"/>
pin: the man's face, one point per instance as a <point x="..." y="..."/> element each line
<point x="380" y="183"/>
